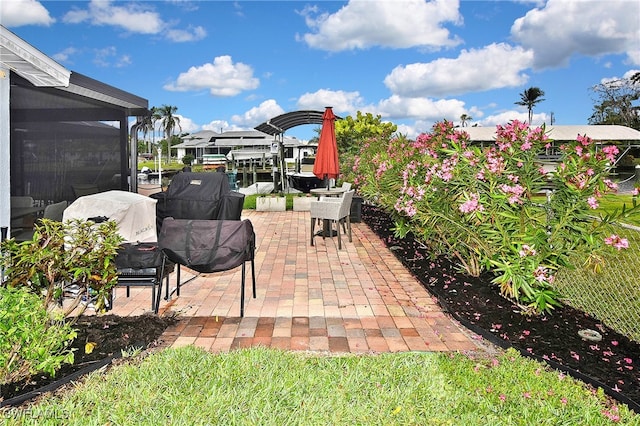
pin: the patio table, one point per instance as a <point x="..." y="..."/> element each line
<point x="327" y="192"/>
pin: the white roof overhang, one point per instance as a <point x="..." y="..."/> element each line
<point x="28" y="62"/>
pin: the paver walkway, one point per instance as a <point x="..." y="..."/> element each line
<point x="359" y="299"/>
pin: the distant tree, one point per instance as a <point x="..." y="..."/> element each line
<point x="169" y="122"/>
<point x="148" y="125"/>
<point x="351" y="133"/>
<point x="529" y="98"/>
<point x="188" y="159"/>
<point x="615" y="102"/>
<point x="464" y="118"/>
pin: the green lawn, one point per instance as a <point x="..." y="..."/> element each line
<point x="259" y="386"/>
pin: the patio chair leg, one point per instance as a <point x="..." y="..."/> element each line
<point x="339" y="238"/>
<point x="253" y="277"/>
<point x="349" y="228"/>
<point x="242" y="291"/>
<point x="313" y="227"/>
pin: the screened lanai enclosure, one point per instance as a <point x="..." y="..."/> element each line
<point x="62" y="134"/>
<point x="62" y="142"/>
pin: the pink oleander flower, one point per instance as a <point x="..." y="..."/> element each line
<point x="610" y="184"/>
<point x="527" y="250"/>
<point x="471" y="205"/>
<point x="593" y="203"/>
<point x="584" y="140"/>
<point x="611" y="151"/>
<point x="541" y="274"/>
<point x="617" y="242"/>
<point x="636" y="191"/>
<point x="514" y="192"/>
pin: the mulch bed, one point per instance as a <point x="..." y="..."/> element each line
<point x="613" y="363"/>
<point x="110" y="333"/>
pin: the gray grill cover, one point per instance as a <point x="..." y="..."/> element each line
<point x="201" y="196"/>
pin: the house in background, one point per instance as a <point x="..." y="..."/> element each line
<point x="626" y="138"/>
<point x="240" y="147"/>
<point x="59" y="129"/>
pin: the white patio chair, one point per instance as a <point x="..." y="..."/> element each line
<point x="332" y="210"/>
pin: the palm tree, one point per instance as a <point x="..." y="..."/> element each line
<point x="529" y="98"/>
<point x="148" y="124"/>
<point x="169" y="122"/>
<point x="464" y="118"/>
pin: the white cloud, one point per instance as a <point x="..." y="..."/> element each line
<point x="190" y="34"/>
<point x="133" y="17"/>
<point x="65" y="54"/>
<point x="220" y="126"/>
<point x="363" y="24"/>
<point x="222" y="78"/>
<point x="628" y="74"/>
<point x="492" y="67"/>
<point x="507" y="116"/>
<point x="16" y="13"/>
<point x="634" y="56"/>
<point x="139" y="18"/>
<point x="187" y="125"/>
<point x="563" y="28"/>
<point x="340" y="101"/>
<point x="423" y="108"/>
<point x="108" y="57"/>
<point x="257" y="115"/>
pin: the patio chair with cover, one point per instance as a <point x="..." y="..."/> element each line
<point x="334" y="210"/>
<point x="210" y="246"/>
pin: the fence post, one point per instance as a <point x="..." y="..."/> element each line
<point x="638" y="173"/>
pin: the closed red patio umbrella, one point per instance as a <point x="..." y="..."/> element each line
<point x="326" y="164"/>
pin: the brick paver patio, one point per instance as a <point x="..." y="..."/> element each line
<point x="359" y="299"/>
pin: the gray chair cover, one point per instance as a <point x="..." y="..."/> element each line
<point x="210" y="246"/>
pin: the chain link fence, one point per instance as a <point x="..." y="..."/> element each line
<point x="613" y="294"/>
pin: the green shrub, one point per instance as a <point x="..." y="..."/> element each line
<point x="79" y="252"/>
<point x="188" y="159"/>
<point x="30" y="341"/>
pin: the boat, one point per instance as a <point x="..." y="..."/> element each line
<point x="304" y="181"/>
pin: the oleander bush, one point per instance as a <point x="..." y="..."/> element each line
<point x="477" y="204"/>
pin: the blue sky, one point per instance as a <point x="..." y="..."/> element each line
<point x="231" y="65"/>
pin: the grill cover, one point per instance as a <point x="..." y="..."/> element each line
<point x="207" y="245"/>
<point x="134" y="214"/>
<point x="198" y="196"/>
